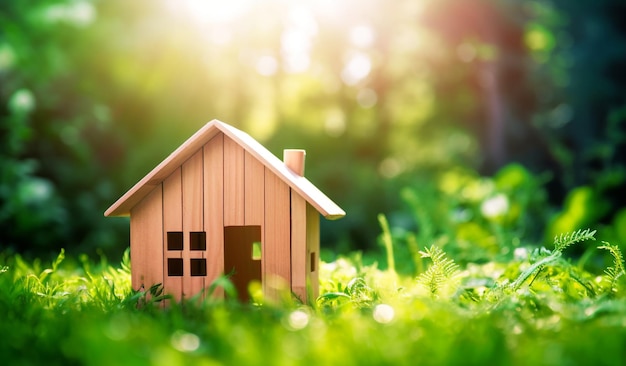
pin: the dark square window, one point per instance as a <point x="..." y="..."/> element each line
<point x="174" y="266"/>
<point x="198" y="267"/>
<point x="197" y="240"/>
<point x="174" y="240"/>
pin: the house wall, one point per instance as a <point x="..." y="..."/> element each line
<point x="183" y="196"/>
<point x="277" y="235"/>
<point x="305" y="249"/>
<point x="255" y="196"/>
<point x="193" y="219"/>
<point x="312" y="251"/>
<point x="214" y="200"/>
<point x="298" y="246"/>
<point x="146" y="250"/>
<point x="172" y="209"/>
<point x="220" y="185"/>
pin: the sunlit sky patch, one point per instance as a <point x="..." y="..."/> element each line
<point x="212" y="11"/>
<point x="219" y="21"/>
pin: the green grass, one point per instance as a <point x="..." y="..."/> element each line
<point x="537" y="308"/>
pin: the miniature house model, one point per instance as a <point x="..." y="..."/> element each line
<point x="223" y="204"/>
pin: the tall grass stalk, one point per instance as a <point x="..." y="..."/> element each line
<point x="387" y="242"/>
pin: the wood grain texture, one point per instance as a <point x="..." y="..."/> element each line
<point x="276" y="246"/>
<point x="299" y="270"/>
<point x="312" y="247"/>
<point x="233" y="183"/>
<point x="193" y="218"/>
<point x="214" y="209"/>
<point x="254" y="191"/>
<point x="146" y="241"/>
<point x="172" y="222"/>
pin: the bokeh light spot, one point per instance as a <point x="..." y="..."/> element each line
<point x="495" y="206"/>
<point x="362" y="36"/>
<point x="185" y="342"/>
<point x="335" y="124"/>
<point x="383" y="313"/>
<point x="298" y="319"/>
<point x="266" y="65"/>
<point x="367" y="98"/>
<point x="7" y="57"/>
<point x="22" y="102"/>
<point x="356" y="68"/>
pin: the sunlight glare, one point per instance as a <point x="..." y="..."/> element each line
<point x="212" y="11"/>
<point x="295" y="47"/>
<point x="296" y="40"/>
<point x="221" y="36"/>
<point x="356" y="68"/>
<point x="302" y="18"/>
<point x="267" y="65"/>
<point x="362" y="36"/>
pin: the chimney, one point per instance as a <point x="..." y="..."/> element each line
<point x="294" y="159"/>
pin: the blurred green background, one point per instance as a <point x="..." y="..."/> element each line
<point x="481" y="123"/>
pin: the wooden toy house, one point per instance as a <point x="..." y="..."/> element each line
<point x="223" y="204"/>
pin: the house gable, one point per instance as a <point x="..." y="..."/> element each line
<point x="300" y="184"/>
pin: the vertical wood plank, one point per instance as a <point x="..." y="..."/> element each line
<point x="254" y="195"/>
<point x="193" y="219"/>
<point x="313" y="251"/>
<point x="299" y="270"/>
<point x="233" y="183"/>
<point x="172" y="222"/>
<point x="146" y="241"/>
<point x="254" y="188"/>
<point x="276" y="247"/>
<point x="214" y="209"/>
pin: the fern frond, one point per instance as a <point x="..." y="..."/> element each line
<point x="440" y="273"/>
<point x="564" y="240"/>
<point x="616" y="271"/>
<point x="533" y="269"/>
<point x="544" y="257"/>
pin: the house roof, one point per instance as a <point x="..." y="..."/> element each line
<point x="300" y="184"/>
